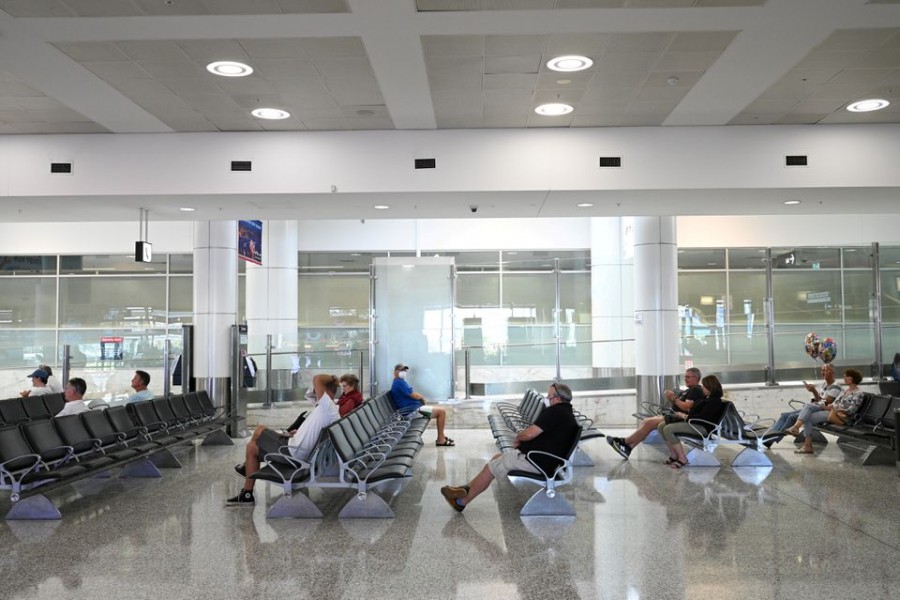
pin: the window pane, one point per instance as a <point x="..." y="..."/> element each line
<point x="748" y="342"/>
<point x="100" y="264"/>
<point x="805" y="301"/>
<point x="181" y="300"/>
<point x="112" y="302"/>
<point x="701" y="258"/>
<point x="806" y="258"/>
<point x="21" y="349"/>
<point x="575" y="320"/>
<point x="28" y="302"/>
<point x="181" y="263"/>
<point x="529" y="301"/>
<point x="701" y="311"/>
<point x="470" y="261"/>
<point x="747" y="258"/>
<point x="857" y="258"/>
<point x="27" y="265"/>
<point x="333" y="301"/>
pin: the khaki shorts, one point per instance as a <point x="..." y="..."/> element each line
<point x="510" y="460"/>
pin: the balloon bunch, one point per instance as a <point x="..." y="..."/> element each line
<point x="824" y="350"/>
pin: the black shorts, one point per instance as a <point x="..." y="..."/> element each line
<point x="269" y="441"/>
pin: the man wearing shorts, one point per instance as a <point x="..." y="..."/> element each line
<point x="553" y="432"/>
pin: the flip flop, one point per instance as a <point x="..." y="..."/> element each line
<point x="447" y="442"/>
<point x="802" y="451"/>
<point x="677" y="464"/>
<point x="670" y="460"/>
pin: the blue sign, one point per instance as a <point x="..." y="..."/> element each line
<point x="250" y="241"/>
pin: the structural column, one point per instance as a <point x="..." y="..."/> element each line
<point x="271" y="295"/>
<point x="612" y="303"/>
<point x="655" y="306"/>
<point x="215" y="305"/>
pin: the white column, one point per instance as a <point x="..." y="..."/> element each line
<point x="271" y="296"/>
<point x="612" y="302"/>
<point x="215" y="303"/>
<point x="655" y="305"/>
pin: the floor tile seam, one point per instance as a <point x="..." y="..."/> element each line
<point x="831" y="516"/>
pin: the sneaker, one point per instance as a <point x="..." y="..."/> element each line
<point x="452" y="494"/>
<point x="241" y="470"/>
<point x="619" y="445"/>
<point x="244" y="498"/>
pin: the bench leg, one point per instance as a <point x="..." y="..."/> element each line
<point x="879" y="455"/>
<point x="369" y="506"/>
<point x="581" y="459"/>
<point x="750" y="457"/>
<point x="295" y="506"/>
<point x="37" y="507"/>
<point x="164" y="459"/>
<point x="541" y="505"/>
<point x="140" y="468"/>
<point x="698" y="458"/>
<point x="217" y="438"/>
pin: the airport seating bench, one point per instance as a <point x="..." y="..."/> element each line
<point x="510" y="419"/>
<point x="41" y="455"/>
<point x="547" y="501"/>
<point x="370" y="447"/>
<point x="731" y="429"/>
<point x="872" y="429"/>
<point x="14" y="411"/>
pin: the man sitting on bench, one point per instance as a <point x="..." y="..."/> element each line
<point x="268" y="441"/>
<point x="552" y="432"/>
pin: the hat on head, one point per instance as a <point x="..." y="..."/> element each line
<point x="401" y="367"/>
<point x="39" y="373"/>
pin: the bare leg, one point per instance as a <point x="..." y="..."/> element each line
<point x="641" y="433"/>
<point x="440" y="417"/>
<point x="251" y="461"/>
<point x="678" y="450"/>
<point x="481" y="482"/>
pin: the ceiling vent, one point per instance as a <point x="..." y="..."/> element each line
<point x="610" y="162"/>
<point x="241" y="165"/>
<point x="425" y="163"/>
<point x="796" y="160"/>
<point x="64" y="168"/>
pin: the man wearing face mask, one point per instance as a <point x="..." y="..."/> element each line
<point x="301" y="443"/>
<point x="406" y="400"/>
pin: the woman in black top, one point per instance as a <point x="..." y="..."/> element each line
<point x="710" y="408"/>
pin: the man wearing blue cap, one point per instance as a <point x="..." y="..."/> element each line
<point x="38" y="383"/>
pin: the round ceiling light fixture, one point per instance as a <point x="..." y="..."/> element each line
<point x="868" y="105"/>
<point x="270" y="113"/>
<point x="570" y="63"/>
<point x="791" y="202"/>
<point x="229" y="68"/>
<point x="554" y="109"/>
<point x="381" y="207"/>
<point x="584" y="204"/>
<point x="187" y="209"/>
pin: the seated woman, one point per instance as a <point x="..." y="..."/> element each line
<point x="351" y="396"/>
<point x="710" y="408"/>
<point x="846" y="404"/>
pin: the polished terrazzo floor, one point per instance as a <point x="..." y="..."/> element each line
<point x="812" y="527"/>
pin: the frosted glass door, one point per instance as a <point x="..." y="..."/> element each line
<point x="414" y="323"/>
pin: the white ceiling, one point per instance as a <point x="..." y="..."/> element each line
<point x="69" y="66"/>
<point x="138" y="66"/>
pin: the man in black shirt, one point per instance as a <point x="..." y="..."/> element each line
<point x="681" y="403"/>
<point x="553" y="432"/>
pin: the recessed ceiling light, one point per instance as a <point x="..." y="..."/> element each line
<point x="584" y="204"/>
<point x="569" y="64"/>
<point x="270" y="113"/>
<point x="554" y="109"/>
<point x="563" y="81"/>
<point x="229" y="68"/>
<point x="187" y="209"/>
<point x="381" y="207"/>
<point x="791" y="202"/>
<point x="868" y="105"/>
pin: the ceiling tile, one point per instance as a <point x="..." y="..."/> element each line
<point x="274" y="48"/>
<point x="190" y="85"/>
<point x="248" y="124"/>
<point x="551" y="80"/>
<point x="701" y="41"/>
<point x="510" y="81"/>
<point x="509" y="98"/>
<point x="512" y="64"/>
<point x="514" y="45"/>
<point x="178" y="69"/>
<point x="117" y="70"/>
<point x="152" y="51"/>
<point x="687" y="61"/>
<point x="586" y="44"/>
<point x="36" y="8"/>
<point x="453" y="45"/>
<point x="333" y="47"/>
<point x="207" y="51"/>
<point x="343" y="67"/>
<point x="96" y="51"/>
<point x="103" y="8"/>
<point x="639" y="42"/>
<point x="284" y="68"/>
<point x="636" y="61"/>
<point x="326" y="124"/>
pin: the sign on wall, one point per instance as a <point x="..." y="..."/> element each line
<point x="250" y="241"/>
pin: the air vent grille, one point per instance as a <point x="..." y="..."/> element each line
<point x="607" y="162"/>
<point x="61" y="167"/>
<point x="241" y="165"/>
<point x="425" y="163"/>
<point x="796" y="160"/>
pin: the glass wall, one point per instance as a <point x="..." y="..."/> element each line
<point x="114" y="313"/>
<point x="822" y="290"/>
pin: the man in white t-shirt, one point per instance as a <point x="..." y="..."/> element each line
<point x="301" y="442"/>
<point x="74" y="393"/>
<point x="39" y="385"/>
<point x="139" y="384"/>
